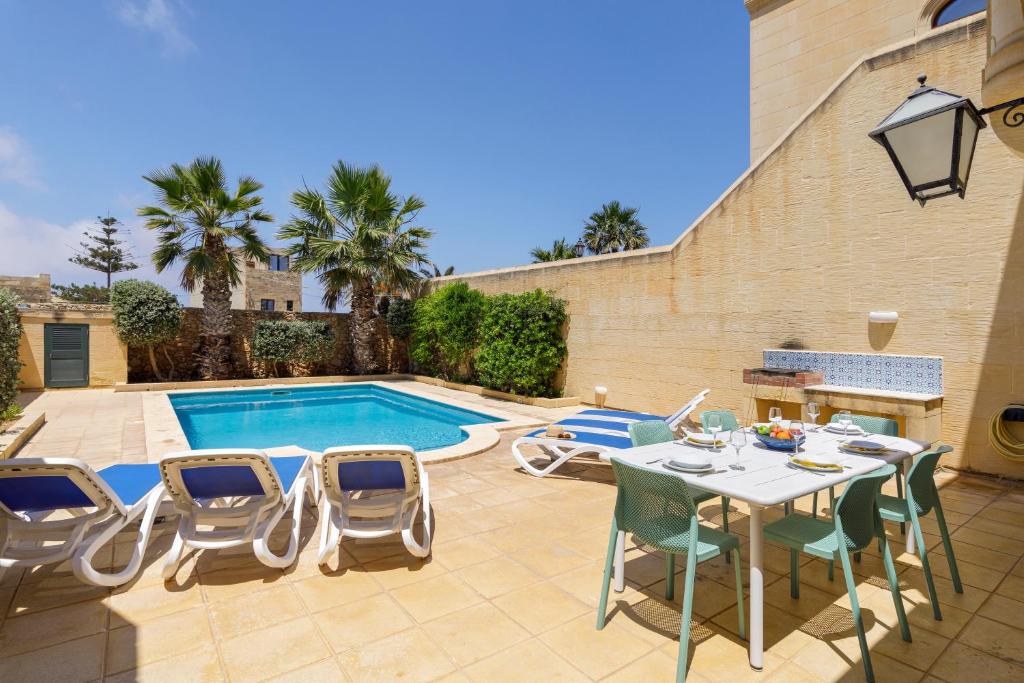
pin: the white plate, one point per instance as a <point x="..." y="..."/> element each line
<point x="701" y="444"/>
<point x="837" y="428"/>
<point x="813" y="468"/>
<point x="692" y="470"/>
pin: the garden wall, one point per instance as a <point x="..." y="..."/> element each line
<point x="803" y="247"/>
<point x="183" y="350"/>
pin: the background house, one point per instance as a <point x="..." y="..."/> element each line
<point x="271" y="286"/>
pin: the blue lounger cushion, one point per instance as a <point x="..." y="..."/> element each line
<point x="593" y="438"/>
<point x="130" y="482"/>
<point x="372" y="475"/>
<point x="595" y="424"/>
<point x="217" y="481"/>
<point x="622" y="414"/>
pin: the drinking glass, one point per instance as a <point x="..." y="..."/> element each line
<point x="714" y="427"/>
<point x="845" y="420"/>
<point x="813" y="413"/>
<point x="738" y="439"/>
<point x="774" y="414"/>
<point x="796" y="430"/>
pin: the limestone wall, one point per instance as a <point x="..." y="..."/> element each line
<point x="183" y="350"/>
<point x="803" y="247"/>
<point x="30" y="289"/>
<point x="798" y="48"/>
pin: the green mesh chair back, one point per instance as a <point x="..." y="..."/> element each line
<point x="656" y="507"/>
<point x="646" y="432"/>
<point x="921" y="482"/>
<point x="874" y="425"/>
<point x="729" y="422"/>
<point x="857" y="509"/>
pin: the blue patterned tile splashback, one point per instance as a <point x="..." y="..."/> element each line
<point x="919" y="374"/>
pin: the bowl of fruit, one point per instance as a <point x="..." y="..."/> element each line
<point x="779" y="437"/>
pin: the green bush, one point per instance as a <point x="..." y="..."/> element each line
<point x="446" y="330"/>
<point x="309" y="342"/>
<point x="521" y="346"/>
<point x="401" y="318"/>
<point x="10" y="335"/>
<point x="145" y="315"/>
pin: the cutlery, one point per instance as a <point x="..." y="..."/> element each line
<point x="704" y="474"/>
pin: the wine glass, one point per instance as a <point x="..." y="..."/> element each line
<point x="714" y="426"/>
<point x="813" y="412"/>
<point x="774" y="414"/>
<point x="796" y="430"/>
<point x="738" y="439"/>
<point x="845" y="420"/>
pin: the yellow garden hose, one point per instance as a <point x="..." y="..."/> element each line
<point x="1005" y="443"/>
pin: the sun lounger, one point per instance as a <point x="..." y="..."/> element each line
<point x="241" y="494"/>
<point x="594" y="432"/>
<point x="65" y="500"/>
<point x="372" y="492"/>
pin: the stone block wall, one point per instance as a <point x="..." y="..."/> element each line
<point x="31" y="289"/>
<point x="182" y="351"/>
<point x="804" y="246"/>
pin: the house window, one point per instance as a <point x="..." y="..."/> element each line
<point x="266" y="304"/>
<point x="278" y="262"/>
<point x="289" y="305"/>
<point x="957" y="9"/>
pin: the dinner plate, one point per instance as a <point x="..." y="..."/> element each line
<point x="680" y="468"/>
<point x="863" y="445"/>
<point x="815" y="467"/>
<point x="837" y="428"/>
<point x="701" y="444"/>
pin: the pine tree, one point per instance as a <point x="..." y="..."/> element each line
<point x="102" y="251"/>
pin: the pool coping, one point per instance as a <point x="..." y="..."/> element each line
<point x="164" y="433"/>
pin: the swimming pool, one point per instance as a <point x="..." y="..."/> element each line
<point x="316" y="418"/>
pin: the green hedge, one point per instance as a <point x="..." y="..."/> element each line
<point x="446" y="330"/>
<point x="508" y="342"/>
<point x="401" y="318"/>
<point x="309" y="342"/>
<point x="146" y="315"/>
<point x="522" y="347"/>
<point x="10" y="335"/>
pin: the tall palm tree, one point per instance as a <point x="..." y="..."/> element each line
<point x="614" y="228"/>
<point x="200" y="222"/>
<point x="560" y="250"/>
<point x="358" y="239"/>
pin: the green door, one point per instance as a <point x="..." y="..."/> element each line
<point x="67" y="355"/>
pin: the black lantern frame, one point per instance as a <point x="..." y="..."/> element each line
<point x="964" y="107"/>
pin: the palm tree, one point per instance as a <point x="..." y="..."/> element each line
<point x="201" y="222"/>
<point x="614" y="228"/>
<point x="359" y="240"/>
<point x="433" y="271"/>
<point x="560" y="250"/>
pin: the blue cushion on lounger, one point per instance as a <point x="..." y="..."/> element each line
<point x="596" y="424"/>
<point x="622" y="414"/>
<point x="216" y="481"/>
<point x="38" y="493"/>
<point x="371" y="475"/>
<point x="594" y="438"/>
<point x="131" y="481"/>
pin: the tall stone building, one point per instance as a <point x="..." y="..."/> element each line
<point x="270" y="286"/>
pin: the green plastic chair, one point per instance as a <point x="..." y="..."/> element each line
<point x="729" y="421"/>
<point x="922" y="498"/>
<point x="648" y="432"/>
<point x="871" y="425"/>
<point x="855" y="524"/>
<point x="658" y="510"/>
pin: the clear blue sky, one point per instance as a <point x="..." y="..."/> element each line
<point x="513" y="120"/>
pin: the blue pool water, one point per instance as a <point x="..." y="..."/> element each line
<point x="319" y="417"/>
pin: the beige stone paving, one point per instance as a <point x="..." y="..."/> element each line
<point x="509" y="593"/>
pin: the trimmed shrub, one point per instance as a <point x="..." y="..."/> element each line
<point x="447" y="330"/>
<point x="401" y="319"/>
<point x="522" y="347"/>
<point x="309" y="342"/>
<point x="145" y="315"/>
<point x="10" y="336"/>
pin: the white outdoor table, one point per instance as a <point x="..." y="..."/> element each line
<point x="767" y="480"/>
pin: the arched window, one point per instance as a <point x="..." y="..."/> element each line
<point x="957" y="9"/>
